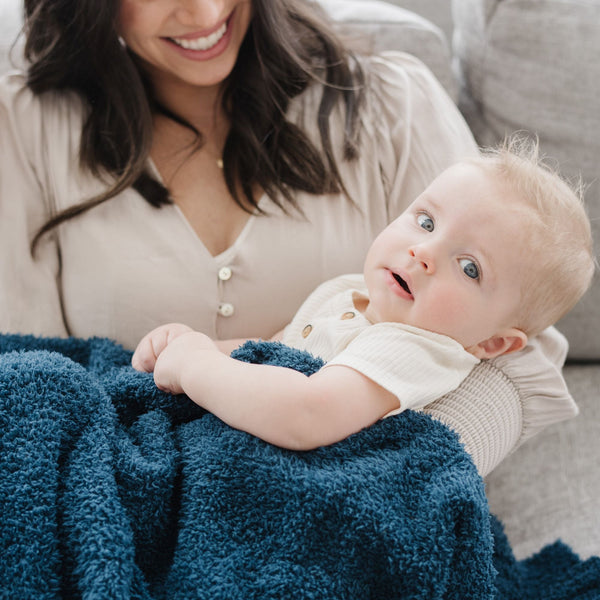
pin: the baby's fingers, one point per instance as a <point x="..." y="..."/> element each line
<point x="153" y="343"/>
<point x="143" y="358"/>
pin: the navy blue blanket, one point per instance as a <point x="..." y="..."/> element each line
<point x="112" y="489"/>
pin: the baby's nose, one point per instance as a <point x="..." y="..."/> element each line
<point x="423" y="257"/>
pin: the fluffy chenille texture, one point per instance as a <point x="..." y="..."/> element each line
<point x="111" y="489"/>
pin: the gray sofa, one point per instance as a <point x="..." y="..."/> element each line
<point x="511" y="65"/>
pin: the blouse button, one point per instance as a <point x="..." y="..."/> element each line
<point x="348" y="315"/>
<point x="225" y="273"/>
<point x="306" y="331"/>
<point x="226" y="309"/>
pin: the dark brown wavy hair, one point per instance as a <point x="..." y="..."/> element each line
<point x="73" y="45"/>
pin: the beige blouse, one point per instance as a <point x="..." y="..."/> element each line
<point x="125" y="267"/>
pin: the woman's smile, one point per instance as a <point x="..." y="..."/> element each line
<point x="201" y="43"/>
<point x="205" y="44"/>
<point x="191" y="43"/>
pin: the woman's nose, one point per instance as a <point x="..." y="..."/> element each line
<point x="423" y="257"/>
<point x="201" y="13"/>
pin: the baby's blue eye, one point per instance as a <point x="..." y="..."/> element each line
<point x="425" y="221"/>
<point x="470" y="269"/>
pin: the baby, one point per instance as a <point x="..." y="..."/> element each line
<point x="496" y="249"/>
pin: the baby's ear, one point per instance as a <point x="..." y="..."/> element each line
<point x="505" y="342"/>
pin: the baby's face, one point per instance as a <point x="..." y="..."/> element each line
<point x="454" y="261"/>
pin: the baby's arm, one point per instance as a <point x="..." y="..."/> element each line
<point x="279" y="405"/>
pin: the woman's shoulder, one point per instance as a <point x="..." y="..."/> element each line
<point x="394" y="64"/>
<point x="395" y="79"/>
<point x="42" y="133"/>
<point x="394" y="90"/>
<point x="37" y="113"/>
<point x="388" y="75"/>
<point x="18" y="105"/>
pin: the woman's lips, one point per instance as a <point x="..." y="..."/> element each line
<point x="205" y="44"/>
<point x="201" y="42"/>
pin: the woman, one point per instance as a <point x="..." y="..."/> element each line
<point x="209" y="162"/>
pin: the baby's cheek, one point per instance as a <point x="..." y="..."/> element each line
<point x="450" y="315"/>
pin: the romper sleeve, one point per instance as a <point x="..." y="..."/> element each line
<point x="415" y="365"/>
<point x="29" y="291"/>
<point x="418" y="128"/>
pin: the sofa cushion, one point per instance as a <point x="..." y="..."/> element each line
<point x="549" y="488"/>
<point x="371" y="26"/>
<point x="533" y="65"/>
<point x="438" y="12"/>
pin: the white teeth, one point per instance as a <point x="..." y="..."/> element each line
<point x="202" y="43"/>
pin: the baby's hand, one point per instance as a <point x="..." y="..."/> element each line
<point x="181" y="364"/>
<point x="152" y="344"/>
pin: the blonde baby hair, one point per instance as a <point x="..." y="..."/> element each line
<point x="560" y="259"/>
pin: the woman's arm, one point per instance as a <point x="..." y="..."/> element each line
<point x="30" y="299"/>
<point x="279" y="405"/>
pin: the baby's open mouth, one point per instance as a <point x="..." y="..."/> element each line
<point x="402" y="283"/>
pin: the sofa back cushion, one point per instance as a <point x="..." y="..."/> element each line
<point x="372" y="26"/>
<point x="534" y="65"/>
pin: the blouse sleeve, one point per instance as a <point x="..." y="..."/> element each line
<point x="545" y="399"/>
<point x="29" y="293"/>
<point x="420" y="130"/>
<point x="506" y="401"/>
